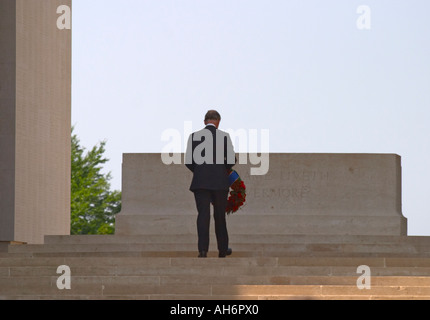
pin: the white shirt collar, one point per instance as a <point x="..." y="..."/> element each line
<point x="211" y="124"/>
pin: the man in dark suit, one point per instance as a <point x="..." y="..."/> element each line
<point x="210" y="156"/>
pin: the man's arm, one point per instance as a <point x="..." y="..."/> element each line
<point x="189" y="161"/>
<point x="230" y="155"/>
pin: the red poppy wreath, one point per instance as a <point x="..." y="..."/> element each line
<point x="237" y="197"/>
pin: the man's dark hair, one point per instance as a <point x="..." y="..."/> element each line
<point x="212" y="115"/>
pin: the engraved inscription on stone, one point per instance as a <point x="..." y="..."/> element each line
<point x="285" y="195"/>
<point x="285" y="187"/>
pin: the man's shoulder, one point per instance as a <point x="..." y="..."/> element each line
<point x="202" y="131"/>
<point x="222" y="133"/>
<point x="212" y="130"/>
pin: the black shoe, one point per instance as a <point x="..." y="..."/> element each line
<point x="203" y="254"/>
<point x="225" y="253"/>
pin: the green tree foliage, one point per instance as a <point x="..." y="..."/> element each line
<point x="93" y="205"/>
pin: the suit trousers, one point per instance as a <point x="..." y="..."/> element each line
<point x="218" y="198"/>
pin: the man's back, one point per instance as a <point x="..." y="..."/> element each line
<point x="210" y="156"/>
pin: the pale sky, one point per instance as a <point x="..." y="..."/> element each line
<point x="301" y="69"/>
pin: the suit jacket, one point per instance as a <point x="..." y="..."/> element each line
<point x="210" y="156"/>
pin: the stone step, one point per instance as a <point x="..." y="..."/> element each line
<point x="236" y="271"/>
<point x="189" y="254"/>
<point x="265" y="248"/>
<point x="192" y="254"/>
<point x="239" y="238"/>
<point x="192" y="279"/>
<point x="45" y="282"/>
<point x="224" y="298"/>
<point x="146" y="266"/>
<point x="84" y="268"/>
<point x="150" y="287"/>
<point x="213" y="278"/>
<point x="311" y="291"/>
<point x="276" y="267"/>
<point x="242" y="262"/>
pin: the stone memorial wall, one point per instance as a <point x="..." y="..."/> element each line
<point x="347" y="194"/>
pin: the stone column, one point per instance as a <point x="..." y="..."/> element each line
<point x="35" y="121"/>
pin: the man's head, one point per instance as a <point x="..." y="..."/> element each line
<point x="213" y="117"/>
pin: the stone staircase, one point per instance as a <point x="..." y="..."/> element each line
<point x="165" y="267"/>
